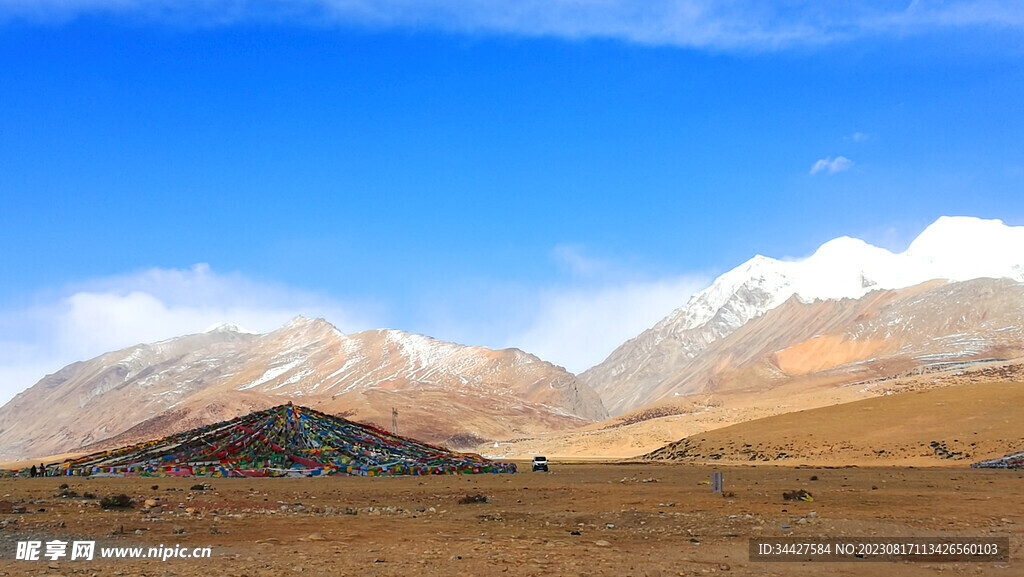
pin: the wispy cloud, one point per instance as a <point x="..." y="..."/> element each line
<point x="832" y="166"/>
<point x="574" y="320"/>
<point x="579" y="327"/>
<point x="110" y="313"/>
<point x="573" y="258"/>
<point x="607" y="302"/>
<point x="858" y="137"/>
<point x="729" y="24"/>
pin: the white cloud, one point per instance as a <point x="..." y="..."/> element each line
<point x="575" y="322"/>
<point x="573" y="258"/>
<point x="579" y="327"/>
<point x="858" y="137"/>
<point x="107" y="314"/>
<point x="832" y="166"/>
<point x="729" y="24"/>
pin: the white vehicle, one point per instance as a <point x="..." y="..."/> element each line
<point x="540" y="463"/>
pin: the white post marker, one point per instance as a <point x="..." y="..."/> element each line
<point x="716" y="482"/>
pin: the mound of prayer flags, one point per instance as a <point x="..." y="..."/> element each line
<point x="286" y="440"/>
<point x="1011" y="461"/>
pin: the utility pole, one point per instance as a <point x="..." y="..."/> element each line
<point x="394" y="421"/>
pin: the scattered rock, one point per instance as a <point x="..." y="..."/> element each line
<point x="470" y="499"/>
<point x="121" y="501"/>
<point x="799" y="495"/>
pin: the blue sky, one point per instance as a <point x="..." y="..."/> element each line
<point x="550" y="175"/>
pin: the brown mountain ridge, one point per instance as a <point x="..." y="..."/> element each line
<point x="443" y="392"/>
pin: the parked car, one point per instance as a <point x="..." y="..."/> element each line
<point x="540" y="464"/>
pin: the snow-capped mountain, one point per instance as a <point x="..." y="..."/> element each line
<point x="441" y="390"/>
<point x="952" y="249"/>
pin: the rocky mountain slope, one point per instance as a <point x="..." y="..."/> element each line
<point x="654" y="364"/>
<point x="932" y="326"/>
<point x="443" y="392"/>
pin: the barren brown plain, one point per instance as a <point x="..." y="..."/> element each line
<point x="631" y="519"/>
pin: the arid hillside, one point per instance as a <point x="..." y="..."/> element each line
<point x="443" y="392"/>
<point x="641" y="431"/>
<point x="943" y="426"/>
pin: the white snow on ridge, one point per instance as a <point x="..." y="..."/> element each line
<point x="293" y="379"/>
<point x="420" y="350"/>
<point x="952" y="248"/>
<point x="760" y="273"/>
<point x="271" y="374"/>
<point x="227" y="328"/>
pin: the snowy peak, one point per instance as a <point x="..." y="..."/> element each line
<point x="951" y="235"/>
<point x="303" y="323"/>
<point x="847" y="268"/>
<point x="953" y="248"/>
<point x="759" y="279"/>
<point x="849" y="251"/>
<point x="227" y="328"/>
<point x="964" y="248"/>
<point x="304" y="328"/>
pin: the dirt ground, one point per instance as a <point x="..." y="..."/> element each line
<point x="579" y="519"/>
